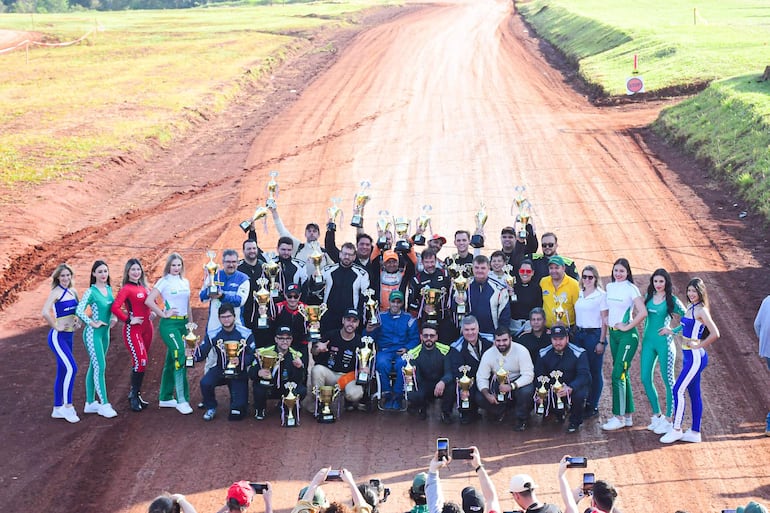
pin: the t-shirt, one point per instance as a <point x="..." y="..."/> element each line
<point x="588" y="309"/>
<point x="620" y="300"/>
<point x="570" y="289"/>
<point x="175" y="292"/>
<point x="341" y="356"/>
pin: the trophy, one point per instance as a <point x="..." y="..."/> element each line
<point x="365" y="355"/>
<point x="316" y="257"/>
<point x="212" y="267"/>
<point x="542" y="394"/>
<point x="408" y="371"/>
<point x="272" y="190"/>
<point x="372" y="308"/>
<point x="460" y="283"/>
<point x="334" y="212"/>
<point x="359" y="202"/>
<point x="523" y="219"/>
<point x="289" y="404"/>
<point x="267" y="360"/>
<point x="325" y="395"/>
<point x="502" y="378"/>
<point x="423" y="221"/>
<point x="477" y="240"/>
<point x="312" y="315"/>
<point x="258" y="214"/>
<point x="190" y="342"/>
<point x="402" y="228"/>
<point x="465" y="383"/>
<point x="510" y="279"/>
<point x="556" y="387"/>
<point x="262" y="298"/>
<point x="433" y="298"/>
<point x="233" y="350"/>
<point x="383" y="227"/>
<point x="558" y="310"/>
<point x="272" y="269"/>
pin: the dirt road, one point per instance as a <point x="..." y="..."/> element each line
<point x="449" y="104"/>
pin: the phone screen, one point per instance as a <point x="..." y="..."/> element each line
<point x="258" y="487"/>
<point x="588" y="482"/>
<point x="462" y="454"/>
<point x="442" y="446"/>
<point x="577" y="462"/>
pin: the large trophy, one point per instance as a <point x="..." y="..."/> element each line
<point x="272" y="270"/>
<point x="325" y="395"/>
<point x="423" y="221"/>
<point x="212" y="267"/>
<point x="542" y="394"/>
<point x="191" y="343"/>
<point x="267" y="361"/>
<point x="460" y="284"/>
<point x="477" y="239"/>
<point x="401" y="225"/>
<point x="372" y="308"/>
<point x="465" y="383"/>
<point x="312" y="315"/>
<point x="559" y="312"/>
<point x="433" y="299"/>
<point x="408" y="371"/>
<point x="365" y="356"/>
<point x="232" y="350"/>
<point x="335" y="213"/>
<point x="359" y="202"/>
<point x="523" y="211"/>
<point x="290" y="404"/>
<point x="383" y="227"/>
<point x="259" y="213"/>
<point x="316" y="257"/>
<point x="556" y="387"/>
<point x="510" y="279"/>
<point x="272" y="190"/>
<point x="262" y="298"/>
<point x="502" y="378"/>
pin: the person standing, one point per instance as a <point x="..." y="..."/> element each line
<point x="137" y="330"/>
<point x="486" y="299"/>
<point x="623" y="298"/>
<point x="98" y="300"/>
<point x="174" y="289"/>
<point x="699" y="332"/>
<point x="762" y="329"/>
<point x="560" y="293"/>
<point x="528" y="294"/>
<point x="62" y="301"/>
<point x="232" y="286"/>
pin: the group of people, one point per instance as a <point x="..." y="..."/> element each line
<point x="517" y="332"/>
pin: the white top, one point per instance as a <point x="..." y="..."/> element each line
<point x="517" y="362"/>
<point x="588" y="309"/>
<point x="175" y="292"/>
<point x="620" y="300"/>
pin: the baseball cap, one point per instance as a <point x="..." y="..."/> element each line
<point x="242" y="492"/>
<point x="509" y="230"/>
<point x="751" y="507"/>
<point x="389" y="255"/>
<point x="436" y="236"/>
<point x="396" y="294"/>
<point x="283" y="330"/>
<point x="522" y="483"/>
<point x="352" y="313"/>
<point x="292" y="288"/>
<point x="319" y="497"/>
<point x="418" y="483"/>
<point x="559" y="331"/>
<point x="556" y="259"/>
<point x="473" y="502"/>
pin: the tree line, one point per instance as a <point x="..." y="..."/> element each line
<point x="49" y="6"/>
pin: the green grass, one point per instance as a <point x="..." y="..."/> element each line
<point x="138" y="81"/>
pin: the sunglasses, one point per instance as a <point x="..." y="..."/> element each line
<point x="525" y="271"/>
<point x="293" y="296"/>
<point x="588" y="277"/>
<point x="548" y="244"/>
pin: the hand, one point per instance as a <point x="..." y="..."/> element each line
<point x="322" y="347"/>
<point x="505" y="388"/>
<point x="172" y="312"/>
<point x="264" y="374"/>
<point x="135" y="320"/>
<point x="621" y="326"/>
<point x="599" y="349"/>
<point x="297" y="362"/>
<point x="401" y="351"/>
<point x="437" y="463"/>
<point x="438" y="390"/>
<point x="475" y="460"/>
<point x="267" y="492"/>
<point x="665" y="331"/>
<point x="153" y="315"/>
<point x="347" y="477"/>
<point x="563" y="465"/>
<point x="566" y="389"/>
<point x="491" y="397"/>
<point x="215" y="295"/>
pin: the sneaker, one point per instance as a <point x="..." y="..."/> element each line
<point x="446" y="418"/>
<point x="260" y="415"/>
<point x="236" y="415"/>
<point x="628" y="421"/>
<point x="107" y="411"/>
<point x="350" y="407"/>
<point x="672" y="436"/>
<point x="91" y="407"/>
<point x="200" y="406"/>
<point x="56" y="413"/>
<point x="144" y="404"/>
<point x="654" y="421"/>
<point x="573" y="427"/>
<point x="171" y="403"/>
<point x="70" y="415"/>
<point x="362" y="407"/>
<point x="521" y="425"/>
<point x="590" y="412"/>
<point x="663" y="427"/>
<point x="184" y="408"/>
<point x="691" y="436"/>
<point x="210" y="414"/>
<point x="613" y="424"/>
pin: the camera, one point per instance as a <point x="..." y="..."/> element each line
<point x="729" y="510"/>
<point x="462" y="453"/>
<point x="382" y="492"/>
<point x="442" y="446"/>
<point x="334" y="475"/>
<point x="588" y="483"/>
<point x="258" y="487"/>
<point x="577" y="462"/>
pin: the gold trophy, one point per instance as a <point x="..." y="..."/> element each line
<point x="460" y="284"/>
<point x="542" y="394"/>
<point x="316" y="257"/>
<point x="556" y="387"/>
<point x="433" y="298"/>
<point x="232" y="350"/>
<point x="383" y="227"/>
<point x="523" y="219"/>
<point x="325" y="395"/>
<point x="359" y="202"/>
<point x="365" y="355"/>
<point x="212" y="267"/>
<point x="502" y="378"/>
<point x="408" y="371"/>
<point x="423" y="221"/>
<point x="312" y="315"/>
<point x="289" y="404"/>
<point x="259" y="213"/>
<point x="262" y="298"/>
<point x="335" y="212"/>
<point x="401" y="225"/>
<point x="465" y="383"/>
<point x="191" y="343"/>
<point x="372" y="308"/>
<point x="272" y="270"/>
<point x="510" y="280"/>
<point x="267" y="361"/>
<point x="477" y="240"/>
<point x="272" y="190"/>
<point x="559" y="312"/>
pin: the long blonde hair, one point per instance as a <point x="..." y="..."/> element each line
<point x="169" y="260"/>
<point x="597" y="279"/>
<point x="57" y="272"/>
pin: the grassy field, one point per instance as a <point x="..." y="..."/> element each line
<point x="137" y="81"/>
<point x="726" y="44"/>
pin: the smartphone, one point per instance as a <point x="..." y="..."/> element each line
<point x="442" y="446"/>
<point x="462" y="453"/>
<point x="577" y="462"/>
<point x="334" y="475"/>
<point x="588" y="483"/>
<point x="259" y="487"/>
<point x="729" y="510"/>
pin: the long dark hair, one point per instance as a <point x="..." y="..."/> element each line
<point x="131" y="262"/>
<point x="94" y="267"/>
<point x="700" y="288"/>
<point x="624" y="263"/>
<point x="669" y="289"/>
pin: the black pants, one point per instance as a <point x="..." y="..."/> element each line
<point x="520" y="401"/>
<point x="421" y="397"/>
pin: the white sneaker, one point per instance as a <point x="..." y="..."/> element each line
<point x="107" y="411"/>
<point x="613" y="424"/>
<point x="171" y="403"/>
<point x="91" y="407"/>
<point x="628" y="421"/>
<point x="184" y="408"/>
<point x="672" y="436"/>
<point x="57" y="413"/>
<point x="654" y="421"/>
<point x="691" y="436"/>
<point x="663" y="427"/>
<point x="70" y="414"/>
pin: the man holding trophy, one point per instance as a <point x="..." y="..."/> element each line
<point x="289" y="313"/>
<point x="430" y="296"/>
<point x="251" y="266"/>
<point x="230" y="349"/>
<point x="274" y="366"/>
<point x="467" y="352"/>
<point x="388" y="274"/>
<point x="226" y="285"/>
<point x="560" y="293"/>
<point x="486" y="299"/>
<point x="433" y="377"/>
<point x="344" y="286"/>
<point x="293" y="270"/>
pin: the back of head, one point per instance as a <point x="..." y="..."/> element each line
<point x="417" y="490"/>
<point x="240" y="495"/>
<point x="338" y="507"/>
<point x="451" y="507"/>
<point x="371" y="495"/>
<point x="163" y="504"/>
<point x="473" y="501"/>
<point x="604" y="495"/>
<point x="319" y="497"/>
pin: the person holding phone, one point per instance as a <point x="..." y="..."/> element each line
<point x="522" y="489"/>
<point x="176" y="503"/>
<point x="307" y="504"/>
<point x="240" y="495"/>
<point x="472" y="501"/>
<point x="603" y="495"/>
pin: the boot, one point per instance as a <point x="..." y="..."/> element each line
<point x="133" y="394"/>
<point x="140" y="379"/>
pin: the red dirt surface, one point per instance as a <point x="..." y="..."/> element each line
<point x="447" y="104"/>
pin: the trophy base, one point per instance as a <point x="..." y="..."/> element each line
<point x="318" y="279"/>
<point x="419" y="240"/>
<point x="403" y="246"/>
<point x="477" y="241"/>
<point x="465" y="405"/>
<point x="362" y="380"/>
<point x="326" y="418"/>
<point x="262" y="324"/>
<point x="357" y="221"/>
<point x="230" y="374"/>
<point x="500" y="397"/>
<point x="540" y="410"/>
<point x="189" y="363"/>
<point x="461" y="309"/>
<point x="314" y="337"/>
<point x="213" y="290"/>
<point x="290" y="423"/>
<point x="245" y="226"/>
<point x="409" y="388"/>
<point x="331" y="227"/>
<point x="266" y="384"/>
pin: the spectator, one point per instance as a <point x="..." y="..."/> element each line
<point x="417" y="494"/>
<point x="751" y="507"/>
<point x="241" y="494"/>
<point x="472" y="501"/>
<point x="762" y="329"/>
<point x="603" y="495"/>
<point x="308" y="501"/>
<point x="522" y="489"/>
<point x="176" y="503"/>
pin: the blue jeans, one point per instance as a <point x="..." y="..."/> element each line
<point x="587" y="339"/>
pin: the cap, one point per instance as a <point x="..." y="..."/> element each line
<point x="473" y="501"/>
<point x="396" y="294"/>
<point x="509" y="230"/>
<point x="436" y="236"/>
<point x="242" y="492"/>
<point x="389" y="255"/>
<point x="418" y="483"/>
<point x="319" y="497"/>
<point x="352" y="313"/>
<point x="559" y="331"/>
<point x="292" y="287"/>
<point x="522" y="483"/>
<point x="556" y="259"/>
<point x="283" y="330"/>
<point x="751" y="507"/>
